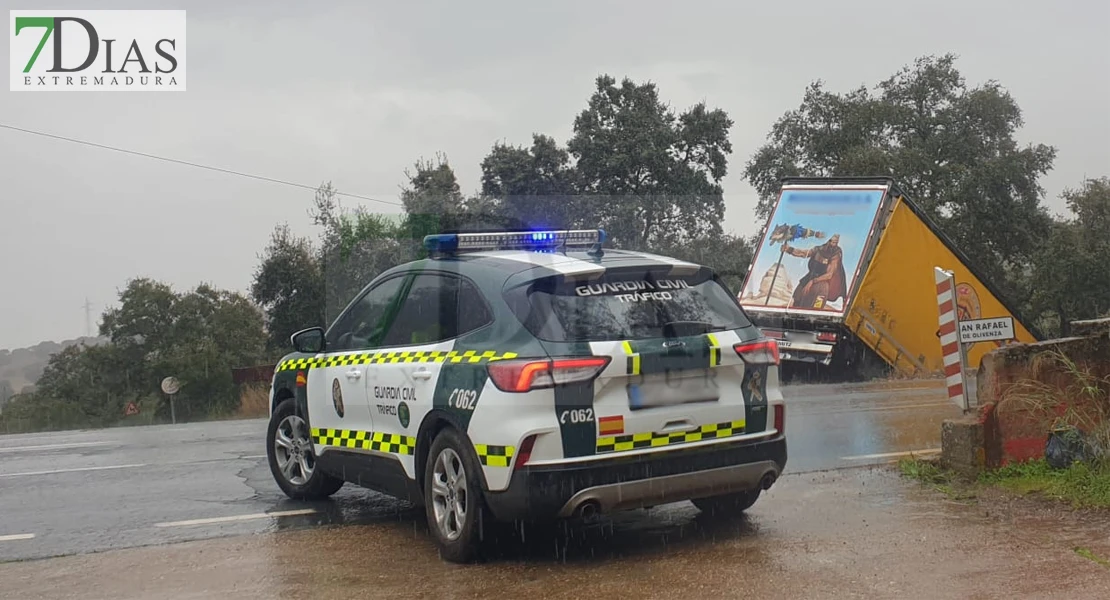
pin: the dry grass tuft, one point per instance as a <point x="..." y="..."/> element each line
<point x="1062" y="393"/>
<point x="254" y="401"/>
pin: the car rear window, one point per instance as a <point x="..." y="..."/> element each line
<point x="628" y="304"/>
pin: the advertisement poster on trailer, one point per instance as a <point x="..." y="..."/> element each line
<point x="810" y="256"/>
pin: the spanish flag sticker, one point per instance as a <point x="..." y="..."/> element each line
<point x="301" y="381"/>
<point x="610" y="425"/>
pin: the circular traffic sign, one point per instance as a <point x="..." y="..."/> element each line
<point x="170" y="385"/>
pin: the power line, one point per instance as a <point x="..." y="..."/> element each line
<point x="188" y="164"/>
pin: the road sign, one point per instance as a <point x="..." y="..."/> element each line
<point x="132" y="409"/>
<point x="986" y="330"/>
<point x="170" y="385"/>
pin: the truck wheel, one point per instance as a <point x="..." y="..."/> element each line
<point x="292" y="457"/>
<point x="453" y="498"/>
<point x="727" y="505"/>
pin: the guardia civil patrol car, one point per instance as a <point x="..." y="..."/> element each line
<point x="527" y="376"/>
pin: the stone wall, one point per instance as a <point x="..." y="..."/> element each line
<point x="1026" y="390"/>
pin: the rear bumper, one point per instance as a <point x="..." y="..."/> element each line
<point x="634" y="482"/>
<point x="800" y="344"/>
<point x="806" y="352"/>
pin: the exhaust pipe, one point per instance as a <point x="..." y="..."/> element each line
<point x="588" y="509"/>
<point x="768" y="480"/>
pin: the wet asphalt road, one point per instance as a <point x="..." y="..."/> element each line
<point x="78" y="492"/>
<point x="849" y="533"/>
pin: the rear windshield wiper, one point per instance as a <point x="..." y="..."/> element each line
<point x="688" y="328"/>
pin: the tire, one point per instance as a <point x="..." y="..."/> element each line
<point x="728" y="505"/>
<point x="457" y="536"/>
<point x="293" y="448"/>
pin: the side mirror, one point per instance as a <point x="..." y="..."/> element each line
<point x="308" y="341"/>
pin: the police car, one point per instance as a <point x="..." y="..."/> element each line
<point x="532" y="375"/>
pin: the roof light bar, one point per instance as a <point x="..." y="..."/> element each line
<point x="547" y="240"/>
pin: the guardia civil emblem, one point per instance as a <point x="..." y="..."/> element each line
<point x="337" y="397"/>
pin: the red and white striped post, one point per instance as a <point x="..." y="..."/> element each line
<point x="949" y="332"/>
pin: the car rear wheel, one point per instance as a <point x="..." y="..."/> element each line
<point x="292" y="457"/>
<point x="728" y="504"/>
<point x="453" y="498"/>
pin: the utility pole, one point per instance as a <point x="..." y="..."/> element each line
<point x="88" y="317"/>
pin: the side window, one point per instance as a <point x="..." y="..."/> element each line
<point x="471" y="311"/>
<point x="360" y="328"/>
<point x="438" y="307"/>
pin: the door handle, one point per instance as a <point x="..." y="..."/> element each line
<point x="422" y="373"/>
<point x="354" y="374"/>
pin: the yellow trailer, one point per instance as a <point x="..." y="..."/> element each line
<point x="843" y="277"/>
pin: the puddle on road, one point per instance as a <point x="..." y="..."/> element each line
<point x="838" y="439"/>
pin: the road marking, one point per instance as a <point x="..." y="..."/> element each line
<point x="18" y="536"/>
<point x="253" y="456"/>
<point x="804" y="411"/>
<point x="77" y="470"/>
<point x="279" y="513"/>
<point x="54" y="446"/>
<point x="892" y="454"/>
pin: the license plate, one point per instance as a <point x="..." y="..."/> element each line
<point x="673" y="388"/>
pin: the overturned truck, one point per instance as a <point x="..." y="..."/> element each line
<point x="843" y="278"/>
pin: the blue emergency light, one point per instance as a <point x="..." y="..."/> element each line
<point x="538" y="241"/>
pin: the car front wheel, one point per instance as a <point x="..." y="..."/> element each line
<point x="453" y="498"/>
<point x="292" y="456"/>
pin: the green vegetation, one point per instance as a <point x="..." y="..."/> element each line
<point x="652" y="176"/>
<point x="955" y="148"/>
<point x="155" y="332"/>
<point x="1080" y="485"/>
<point x="931" y="474"/>
<point x="21" y="368"/>
<point x="1066" y="398"/>
<point x="1091" y="556"/>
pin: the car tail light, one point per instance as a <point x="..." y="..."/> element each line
<point x="772" y="333"/>
<point x="826" y="336"/>
<point x="525" y="452"/>
<point x="531" y="374"/>
<point x="780" y="418"/>
<point x="759" y="352"/>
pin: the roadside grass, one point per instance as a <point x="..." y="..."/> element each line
<point x="1091" y="556"/>
<point x="254" y="402"/>
<point x="1063" y="395"/>
<point x="931" y="474"/>
<point x="1081" y="485"/>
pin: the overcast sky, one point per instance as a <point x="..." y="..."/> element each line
<point x="354" y="92"/>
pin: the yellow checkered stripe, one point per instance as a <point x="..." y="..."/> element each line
<point x="714" y="350"/>
<point x="632" y="359"/>
<point x="636" y="441"/>
<point x="414" y="356"/>
<point x="390" y="443"/>
<point x="494" y="456"/>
